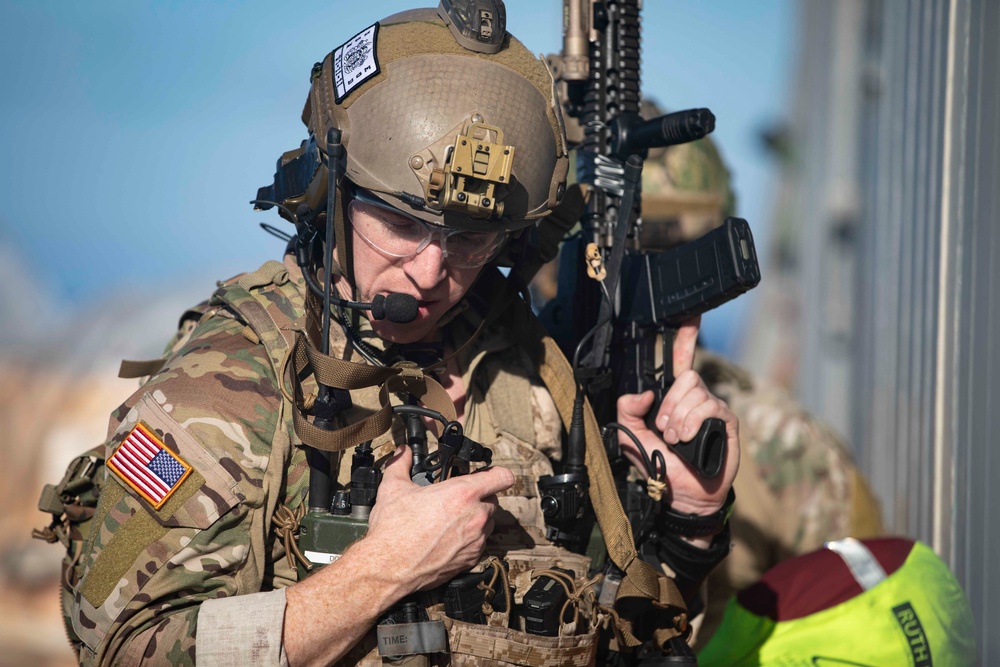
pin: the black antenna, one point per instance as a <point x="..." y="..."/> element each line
<point x="329" y="400"/>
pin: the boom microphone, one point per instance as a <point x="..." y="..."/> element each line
<point x="395" y="307"/>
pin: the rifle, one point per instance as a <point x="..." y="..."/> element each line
<point x="615" y="301"/>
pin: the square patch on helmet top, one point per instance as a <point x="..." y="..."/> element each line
<point x="144" y="463"/>
<point x="355" y="61"/>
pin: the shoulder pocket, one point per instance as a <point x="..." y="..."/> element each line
<point x="195" y="498"/>
<point x="72" y="503"/>
<point x="142" y="523"/>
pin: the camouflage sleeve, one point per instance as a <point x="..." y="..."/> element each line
<point x="803" y="467"/>
<point x="161" y="547"/>
<point x="797" y="486"/>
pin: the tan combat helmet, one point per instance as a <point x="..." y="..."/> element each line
<point x="685" y="190"/>
<point x="437" y="125"/>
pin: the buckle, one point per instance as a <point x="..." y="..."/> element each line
<point x="78" y="480"/>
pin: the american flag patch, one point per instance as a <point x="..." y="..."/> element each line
<point x="145" y="464"/>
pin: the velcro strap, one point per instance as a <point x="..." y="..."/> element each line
<point x="399" y="639"/>
<point x="351" y="435"/>
<point x="425" y="388"/>
<point x="130" y="370"/>
<point x="335" y="372"/>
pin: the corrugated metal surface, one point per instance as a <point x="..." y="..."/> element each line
<point x="925" y="412"/>
<point x="971" y="418"/>
<point x="901" y="168"/>
<point x="898" y="191"/>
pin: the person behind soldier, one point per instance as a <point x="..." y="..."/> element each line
<point x="798" y="485"/>
<point x="199" y="562"/>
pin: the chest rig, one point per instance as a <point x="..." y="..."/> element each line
<point x="275" y="313"/>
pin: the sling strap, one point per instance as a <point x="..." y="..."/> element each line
<point x="295" y="361"/>
<point x="641" y="583"/>
<point x="402" y="376"/>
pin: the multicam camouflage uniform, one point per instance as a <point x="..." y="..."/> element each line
<point x="165" y="590"/>
<point x="797" y="486"/>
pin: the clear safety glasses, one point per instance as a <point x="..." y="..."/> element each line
<point x="397" y="234"/>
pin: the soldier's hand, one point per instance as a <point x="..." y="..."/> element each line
<point x="686" y="405"/>
<point x="436" y="531"/>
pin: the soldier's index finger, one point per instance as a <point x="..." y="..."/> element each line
<point x="490" y="481"/>
<point x="684" y="345"/>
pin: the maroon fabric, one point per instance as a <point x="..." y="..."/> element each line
<point x="815" y="581"/>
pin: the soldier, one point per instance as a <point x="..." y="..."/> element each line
<point x="190" y="553"/>
<point x="798" y="486"/>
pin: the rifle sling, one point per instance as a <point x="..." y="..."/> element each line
<point x="641" y="579"/>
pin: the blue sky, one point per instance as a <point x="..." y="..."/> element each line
<point x="135" y="132"/>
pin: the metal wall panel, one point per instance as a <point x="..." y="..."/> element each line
<point x="825" y="199"/>
<point x="900" y="169"/>
<point x="972" y="418"/>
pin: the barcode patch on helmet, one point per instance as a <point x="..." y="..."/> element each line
<point x="355" y="62"/>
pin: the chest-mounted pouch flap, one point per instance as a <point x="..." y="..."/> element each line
<point x="168" y="471"/>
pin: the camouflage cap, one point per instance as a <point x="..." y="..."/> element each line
<point x="685" y="190"/>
